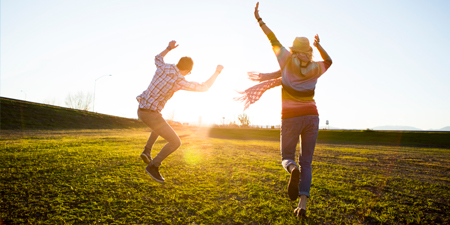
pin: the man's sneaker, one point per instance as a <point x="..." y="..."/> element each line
<point x="146" y="157"/>
<point x="153" y="171"/>
<point x="293" y="184"/>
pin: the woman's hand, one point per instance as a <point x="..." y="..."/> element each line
<point x="254" y="76"/>
<point x="319" y="47"/>
<point x="316" y="41"/>
<point x="257" y="11"/>
<point x="172" y="44"/>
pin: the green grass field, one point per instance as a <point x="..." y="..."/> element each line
<point x="217" y="177"/>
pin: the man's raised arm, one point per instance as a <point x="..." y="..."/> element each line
<point x="159" y="59"/>
<point x="211" y="80"/>
<point x="172" y="45"/>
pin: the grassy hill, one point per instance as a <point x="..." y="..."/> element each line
<point x="23" y="115"/>
<point x="363" y="137"/>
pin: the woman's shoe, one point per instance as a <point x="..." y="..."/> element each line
<point x="300" y="213"/>
<point x="293" y="184"/>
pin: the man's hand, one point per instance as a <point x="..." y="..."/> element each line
<point x="211" y="80"/>
<point x="316" y="41"/>
<point x="257" y="11"/>
<point x="219" y="68"/>
<point x="172" y="44"/>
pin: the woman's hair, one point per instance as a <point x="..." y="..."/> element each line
<point x="295" y="61"/>
<point x="185" y="63"/>
<point x="304" y="55"/>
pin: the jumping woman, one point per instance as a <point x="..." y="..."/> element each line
<point x="298" y="76"/>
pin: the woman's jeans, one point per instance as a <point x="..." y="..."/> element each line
<point x="159" y="127"/>
<point x="307" y="128"/>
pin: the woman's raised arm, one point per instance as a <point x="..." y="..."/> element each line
<point x="263" y="26"/>
<point x="319" y="47"/>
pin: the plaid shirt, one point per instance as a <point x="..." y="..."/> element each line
<point x="166" y="81"/>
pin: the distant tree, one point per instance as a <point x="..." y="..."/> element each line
<point x="244" y="120"/>
<point x="233" y="124"/>
<point x="79" y="101"/>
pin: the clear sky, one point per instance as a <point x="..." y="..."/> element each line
<point x="389" y="67"/>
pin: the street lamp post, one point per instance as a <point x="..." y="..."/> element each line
<point x="95" y="86"/>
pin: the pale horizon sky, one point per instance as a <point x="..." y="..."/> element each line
<point x="389" y="57"/>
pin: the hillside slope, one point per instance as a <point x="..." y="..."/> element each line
<point x="364" y="137"/>
<point x="23" y="115"/>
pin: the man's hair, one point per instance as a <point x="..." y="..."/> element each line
<point x="185" y="63"/>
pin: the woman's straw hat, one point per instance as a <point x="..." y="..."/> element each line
<point x="301" y="44"/>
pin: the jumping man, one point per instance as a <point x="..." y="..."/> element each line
<point x="168" y="79"/>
